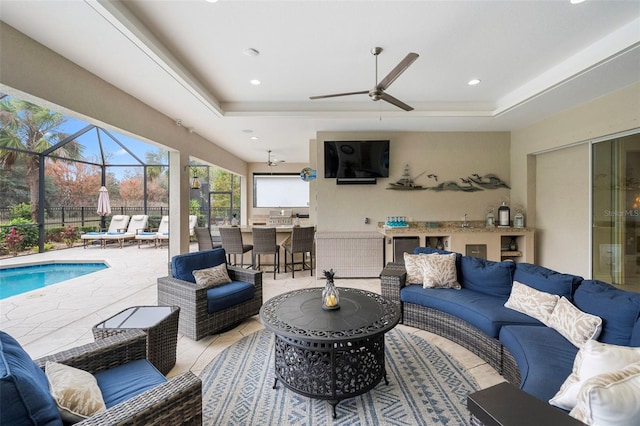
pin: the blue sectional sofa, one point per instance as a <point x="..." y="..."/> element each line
<point x="526" y="352"/>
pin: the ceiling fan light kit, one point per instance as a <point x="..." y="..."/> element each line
<point x="271" y="162"/>
<point x="378" y="91"/>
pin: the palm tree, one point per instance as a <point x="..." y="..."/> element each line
<point x="27" y="130"/>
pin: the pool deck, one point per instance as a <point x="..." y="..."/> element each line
<point x="61" y="316"/>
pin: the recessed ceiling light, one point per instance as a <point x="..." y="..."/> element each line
<point x="254" y="138"/>
<point x="255" y="82"/>
<point x="575" y="1"/>
<point x="211" y="1"/>
<point x="473" y="82"/>
<point x="251" y="52"/>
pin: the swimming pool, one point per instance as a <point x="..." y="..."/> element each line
<point x="21" y="279"/>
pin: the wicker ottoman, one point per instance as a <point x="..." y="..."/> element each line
<point x="160" y="323"/>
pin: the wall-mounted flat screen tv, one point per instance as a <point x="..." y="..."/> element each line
<point x="356" y="159"/>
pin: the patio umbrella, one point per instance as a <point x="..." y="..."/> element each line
<point x="104" y="206"/>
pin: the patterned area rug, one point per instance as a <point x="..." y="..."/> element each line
<point x="426" y="387"/>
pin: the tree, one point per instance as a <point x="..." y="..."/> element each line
<point x="27" y="129"/>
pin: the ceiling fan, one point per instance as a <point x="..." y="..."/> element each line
<point x="271" y="162"/>
<point x="378" y="91"/>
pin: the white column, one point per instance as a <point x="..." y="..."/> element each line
<point x="178" y="203"/>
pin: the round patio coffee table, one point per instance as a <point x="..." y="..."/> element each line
<point x="331" y="355"/>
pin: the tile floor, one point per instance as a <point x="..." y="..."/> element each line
<point x="58" y="317"/>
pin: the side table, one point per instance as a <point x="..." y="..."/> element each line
<point x="160" y="323"/>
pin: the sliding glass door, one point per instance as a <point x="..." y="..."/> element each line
<point x="616" y="211"/>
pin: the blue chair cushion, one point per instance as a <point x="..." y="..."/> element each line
<point x="227" y="295"/>
<point x="486" y="276"/>
<point x="618" y="309"/>
<point x="547" y="280"/>
<point x="24" y="388"/>
<point x="183" y="265"/>
<point x="125" y="381"/>
<point x="480" y="310"/>
<point x="544" y="358"/>
<point x="635" y="334"/>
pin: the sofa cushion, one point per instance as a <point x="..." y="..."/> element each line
<point x="611" y="399"/>
<point x="484" y="312"/>
<point x="635" y="334"/>
<point x="183" y="265"/>
<point x="486" y="276"/>
<point x="125" y="381"/>
<point x="431" y="250"/>
<point x="24" y="388"/>
<point x="576" y="326"/>
<point x="547" y="280"/>
<point x="618" y="309"/>
<point x="439" y="271"/>
<point x="543" y="356"/>
<point x="227" y="295"/>
<point x="537" y="304"/>
<point x="75" y="391"/>
<point x="593" y="358"/>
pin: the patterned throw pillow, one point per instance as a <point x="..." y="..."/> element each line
<point x="439" y="271"/>
<point x="537" y="304"/>
<point x="574" y="325"/>
<point x="75" y="391"/>
<point x="414" y="270"/>
<point x="593" y="359"/>
<point x="611" y="399"/>
<point x="212" y="277"/>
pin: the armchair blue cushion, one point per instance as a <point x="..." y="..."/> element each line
<point x="125" y="381"/>
<point x="24" y="388"/>
<point x="183" y="265"/>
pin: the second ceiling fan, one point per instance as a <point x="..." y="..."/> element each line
<point x="378" y="91"/>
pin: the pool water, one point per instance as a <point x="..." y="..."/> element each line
<point x="22" y="279"/>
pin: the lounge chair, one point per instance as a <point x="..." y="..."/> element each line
<point x="193" y="222"/>
<point x="160" y="235"/>
<point x="118" y="223"/>
<point x="138" y="223"/>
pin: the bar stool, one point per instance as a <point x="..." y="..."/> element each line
<point x="205" y="240"/>
<point x="232" y="244"/>
<point x="301" y="242"/>
<point x="264" y="242"/>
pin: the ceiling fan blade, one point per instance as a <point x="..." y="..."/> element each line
<point x="399" y="69"/>
<point x="363" y="92"/>
<point x="395" y="101"/>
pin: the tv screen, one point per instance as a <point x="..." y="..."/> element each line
<point x="356" y="159"/>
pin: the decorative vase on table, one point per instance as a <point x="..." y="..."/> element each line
<point x="330" y="293"/>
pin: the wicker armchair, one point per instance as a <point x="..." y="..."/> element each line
<point x="195" y="320"/>
<point x="177" y="401"/>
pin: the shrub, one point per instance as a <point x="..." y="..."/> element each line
<point x="13" y="240"/>
<point x="69" y="235"/>
<point x="26" y="228"/>
<point x="21" y="211"/>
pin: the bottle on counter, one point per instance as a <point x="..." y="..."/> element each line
<point x="504" y="215"/>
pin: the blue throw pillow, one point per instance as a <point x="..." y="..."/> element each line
<point x="183" y="265"/>
<point x="618" y="309"/>
<point x="547" y="280"/>
<point x="486" y="276"/>
<point x="24" y="388"/>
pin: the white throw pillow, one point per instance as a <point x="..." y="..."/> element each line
<point x="75" y="391"/>
<point x="212" y="277"/>
<point x="574" y="325"/>
<point x="414" y="271"/>
<point x="593" y="359"/>
<point x="611" y="399"/>
<point x="535" y="303"/>
<point x="439" y="271"/>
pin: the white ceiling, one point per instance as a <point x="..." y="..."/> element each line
<point x="185" y="58"/>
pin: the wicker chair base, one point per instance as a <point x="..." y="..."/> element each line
<point x="510" y="370"/>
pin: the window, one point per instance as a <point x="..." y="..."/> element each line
<point x="280" y="190"/>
